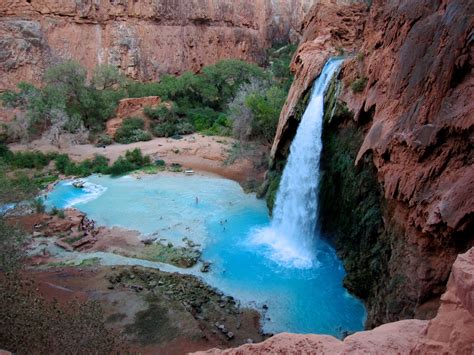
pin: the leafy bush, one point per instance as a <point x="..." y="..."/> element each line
<point x="200" y="98"/>
<point x="100" y="164"/>
<point x="5" y="152"/>
<point x="137" y="158"/>
<point x="359" y="84"/>
<point x="29" y="160"/>
<point x="176" y="168"/>
<point x="133" y="160"/>
<point x="131" y="131"/>
<point x="62" y="161"/>
<point x="183" y="128"/>
<point x="222" y="126"/>
<point x="132" y="123"/>
<point x="104" y="139"/>
<point x="87" y="167"/>
<point x="160" y="163"/>
<point x="166" y="122"/>
<point x="121" y="166"/>
<point x="202" y="117"/>
<point x="266" y="109"/>
<point x="166" y="129"/>
<point x="280" y="59"/>
<point x="38" y="205"/>
<point x="161" y="113"/>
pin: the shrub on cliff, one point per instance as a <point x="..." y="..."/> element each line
<point x="359" y="84"/>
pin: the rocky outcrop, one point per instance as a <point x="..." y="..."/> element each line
<point x="143" y="38"/>
<point x="131" y="107"/>
<point x="450" y="332"/>
<point x="407" y="91"/>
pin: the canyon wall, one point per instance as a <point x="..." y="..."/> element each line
<point x="143" y="38"/>
<point x="405" y="100"/>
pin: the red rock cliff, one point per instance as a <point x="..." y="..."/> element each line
<point x="143" y="38"/>
<point x="416" y="112"/>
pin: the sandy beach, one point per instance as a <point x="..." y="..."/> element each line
<point x="195" y="151"/>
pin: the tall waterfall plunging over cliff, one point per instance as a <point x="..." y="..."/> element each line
<point x="292" y="232"/>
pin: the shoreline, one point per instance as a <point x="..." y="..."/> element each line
<point x="219" y="319"/>
<point x="204" y="154"/>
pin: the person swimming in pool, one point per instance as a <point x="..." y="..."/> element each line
<point x="197" y="200"/>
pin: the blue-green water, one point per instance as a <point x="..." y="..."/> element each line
<point x="224" y="221"/>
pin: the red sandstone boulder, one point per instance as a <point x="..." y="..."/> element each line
<point x="132" y="107"/>
<point x="62" y="244"/>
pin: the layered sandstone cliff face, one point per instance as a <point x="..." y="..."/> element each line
<point x="143" y="38"/>
<point x="415" y="117"/>
<point x="450" y="332"/>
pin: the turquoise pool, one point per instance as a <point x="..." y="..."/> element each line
<point x="224" y="221"/>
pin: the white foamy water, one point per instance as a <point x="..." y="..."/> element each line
<point x="290" y="239"/>
<point x="89" y="192"/>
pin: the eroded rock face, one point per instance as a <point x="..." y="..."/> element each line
<point x="131" y="107"/>
<point x="450" y="332"/>
<point x="416" y="114"/>
<point x="143" y="38"/>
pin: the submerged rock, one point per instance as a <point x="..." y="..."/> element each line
<point x="205" y="266"/>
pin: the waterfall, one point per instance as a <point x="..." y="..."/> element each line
<point x="290" y="239"/>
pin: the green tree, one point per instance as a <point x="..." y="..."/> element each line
<point x="107" y="76"/>
<point x="266" y="108"/>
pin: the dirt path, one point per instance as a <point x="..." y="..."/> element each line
<point x="195" y="151"/>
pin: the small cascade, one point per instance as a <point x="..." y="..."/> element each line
<point x="291" y="236"/>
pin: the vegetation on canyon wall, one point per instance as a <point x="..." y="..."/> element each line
<point x="231" y="97"/>
<point x="350" y="212"/>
